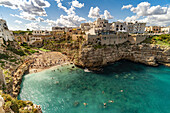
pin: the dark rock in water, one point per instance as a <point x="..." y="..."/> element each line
<point x="84" y="87"/>
<point x="73" y="93"/>
<point x="76" y="104"/>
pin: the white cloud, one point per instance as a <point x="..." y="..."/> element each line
<point x="17" y="21"/>
<point x="28" y="9"/>
<point x="24" y="15"/>
<point x="152" y="15"/>
<point x="9" y="3"/>
<point x="132" y="18"/>
<point x="127" y="6"/>
<point x="68" y="11"/>
<point x="94" y="13"/>
<point x="144" y="9"/>
<point x="37" y="26"/>
<point x="107" y="15"/>
<point x="161" y="20"/>
<point x="69" y="20"/>
<point x="58" y="1"/>
<point x="33" y="26"/>
<point x="76" y="3"/>
<point x="39" y="19"/>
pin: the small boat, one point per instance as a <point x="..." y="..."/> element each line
<point x="86" y="70"/>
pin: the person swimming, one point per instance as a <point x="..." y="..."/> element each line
<point x="85" y="104"/>
<point x="111" y="101"/>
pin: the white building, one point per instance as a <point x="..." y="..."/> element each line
<point x="165" y="30"/>
<point x="41" y="32"/>
<point x="135" y="27"/>
<point x="130" y="27"/>
<point x="119" y="26"/>
<point x="85" y="26"/>
<point x="99" y="26"/>
<point x="5" y="34"/>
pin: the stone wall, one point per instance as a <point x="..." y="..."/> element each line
<point x="144" y="53"/>
<point x="75" y="37"/>
<point x="135" y="39"/>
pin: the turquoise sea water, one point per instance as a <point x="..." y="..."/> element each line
<point x="145" y="89"/>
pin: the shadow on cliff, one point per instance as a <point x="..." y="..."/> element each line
<point x="121" y="67"/>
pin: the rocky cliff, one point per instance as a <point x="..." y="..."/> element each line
<point x="148" y="54"/>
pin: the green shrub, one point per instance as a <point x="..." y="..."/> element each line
<point x="18" y="52"/>
<point x="17" y="105"/>
<point x="7" y="106"/>
<point x="4" y="56"/>
<point x="14" y="106"/>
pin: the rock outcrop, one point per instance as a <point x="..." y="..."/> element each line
<point x="17" y="77"/>
<point x="1" y="105"/>
<point x="148" y="54"/>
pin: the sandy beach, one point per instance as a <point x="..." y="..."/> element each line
<point x="47" y="60"/>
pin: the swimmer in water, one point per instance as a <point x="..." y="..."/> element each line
<point x="85" y="104"/>
<point x="104" y="105"/>
<point x="111" y="101"/>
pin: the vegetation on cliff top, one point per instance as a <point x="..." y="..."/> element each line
<point x="163" y="39"/>
<point x="22" y="32"/>
<point x="17" y="106"/>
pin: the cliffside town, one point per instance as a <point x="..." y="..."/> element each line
<point x="92" y="46"/>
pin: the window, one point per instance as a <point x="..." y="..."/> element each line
<point x="104" y="38"/>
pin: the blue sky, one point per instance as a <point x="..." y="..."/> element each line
<point x="43" y="14"/>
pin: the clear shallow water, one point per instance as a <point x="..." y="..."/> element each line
<point x="145" y="89"/>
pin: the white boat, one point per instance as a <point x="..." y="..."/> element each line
<point x="86" y="70"/>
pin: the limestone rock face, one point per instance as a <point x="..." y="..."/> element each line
<point x="1" y="105"/>
<point x="148" y="54"/>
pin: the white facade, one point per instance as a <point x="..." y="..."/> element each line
<point x="5" y="34"/>
<point x="98" y="26"/>
<point x="165" y="30"/>
<point x="85" y="26"/>
<point x="119" y="26"/>
<point x="130" y="27"/>
<point x="41" y="32"/>
<point x="136" y="27"/>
